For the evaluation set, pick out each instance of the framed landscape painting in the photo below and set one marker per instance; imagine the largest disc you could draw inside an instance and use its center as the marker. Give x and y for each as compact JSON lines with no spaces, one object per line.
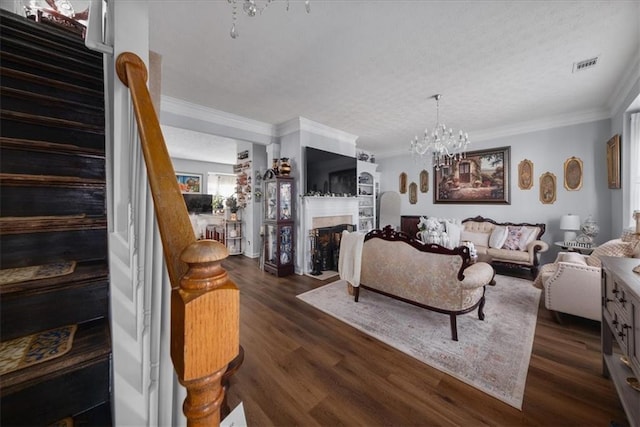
{"x":189,"y":182}
{"x":480,"y":177}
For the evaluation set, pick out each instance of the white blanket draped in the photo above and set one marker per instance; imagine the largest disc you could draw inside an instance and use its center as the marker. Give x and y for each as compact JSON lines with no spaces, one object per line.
{"x":350,"y":260}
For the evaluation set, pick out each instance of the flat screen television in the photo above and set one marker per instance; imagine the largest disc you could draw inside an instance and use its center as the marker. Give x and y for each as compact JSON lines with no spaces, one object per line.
{"x":330,"y":173}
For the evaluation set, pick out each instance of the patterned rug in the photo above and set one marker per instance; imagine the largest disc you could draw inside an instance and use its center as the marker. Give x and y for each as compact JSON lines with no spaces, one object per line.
{"x":26,"y":351}
{"x":15,"y":275}
{"x":491,"y":355}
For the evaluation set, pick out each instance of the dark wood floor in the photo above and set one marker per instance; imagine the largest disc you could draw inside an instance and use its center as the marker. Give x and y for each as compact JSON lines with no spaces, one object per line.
{"x":305,"y":368}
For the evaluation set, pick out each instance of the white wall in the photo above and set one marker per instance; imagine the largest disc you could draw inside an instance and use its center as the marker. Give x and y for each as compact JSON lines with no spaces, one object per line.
{"x":547,"y":149}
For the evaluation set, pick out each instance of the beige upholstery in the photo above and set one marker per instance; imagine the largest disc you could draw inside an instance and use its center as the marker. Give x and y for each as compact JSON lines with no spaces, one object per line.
{"x":572,"y":284}
{"x":572,"y":287}
{"x":526,"y":258}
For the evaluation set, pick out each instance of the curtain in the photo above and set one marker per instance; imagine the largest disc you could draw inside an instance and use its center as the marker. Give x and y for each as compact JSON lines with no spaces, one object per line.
{"x":634,"y":163}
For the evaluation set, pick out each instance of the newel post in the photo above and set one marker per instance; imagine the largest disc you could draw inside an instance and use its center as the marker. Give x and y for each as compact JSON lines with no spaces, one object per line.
{"x":205,"y":313}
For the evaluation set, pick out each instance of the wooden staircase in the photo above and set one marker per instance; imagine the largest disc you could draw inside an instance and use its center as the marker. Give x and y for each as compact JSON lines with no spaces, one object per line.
{"x":52,"y":209}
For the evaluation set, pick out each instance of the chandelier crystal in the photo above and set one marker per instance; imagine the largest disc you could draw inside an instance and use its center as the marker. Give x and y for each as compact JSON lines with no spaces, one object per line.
{"x":440,"y":145}
{"x":253,"y":8}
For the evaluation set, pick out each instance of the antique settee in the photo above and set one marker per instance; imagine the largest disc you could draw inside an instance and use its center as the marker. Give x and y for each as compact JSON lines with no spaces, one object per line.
{"x":507,"y":244}
{"x":429,"y":276}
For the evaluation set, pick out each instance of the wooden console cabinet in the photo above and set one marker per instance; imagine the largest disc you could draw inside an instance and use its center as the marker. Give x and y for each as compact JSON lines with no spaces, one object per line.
{"x":621,"y":323}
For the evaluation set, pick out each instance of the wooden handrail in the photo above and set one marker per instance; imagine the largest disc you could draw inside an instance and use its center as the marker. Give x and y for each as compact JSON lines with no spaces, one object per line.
{"x":205,"y":303}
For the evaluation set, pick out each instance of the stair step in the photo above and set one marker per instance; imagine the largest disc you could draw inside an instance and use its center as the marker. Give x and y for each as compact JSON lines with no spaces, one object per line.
{"x":29,"y":126}
{"x":38,"y":104}
{"x":64,"y":386}
{"x":45,"y":224}
{"x":79,"y":297}
{"x":20,"y":156}
{"x":50,"y":41}
{"x":19,"y":62}
{"x":58,"y":245}
{"x":50,"y":87}
{"x":48,"y":147}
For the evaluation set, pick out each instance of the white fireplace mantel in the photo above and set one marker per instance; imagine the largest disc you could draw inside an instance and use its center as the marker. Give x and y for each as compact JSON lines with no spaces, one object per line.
{"x":327,"y":208}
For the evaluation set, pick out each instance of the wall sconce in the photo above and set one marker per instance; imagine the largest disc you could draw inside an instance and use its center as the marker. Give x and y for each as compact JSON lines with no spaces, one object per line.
{"x":570,"y":224}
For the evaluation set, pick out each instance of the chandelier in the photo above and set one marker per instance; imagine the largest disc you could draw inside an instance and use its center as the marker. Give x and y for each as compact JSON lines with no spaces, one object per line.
{"x":252,"y":8}
{"x":441,"y":145}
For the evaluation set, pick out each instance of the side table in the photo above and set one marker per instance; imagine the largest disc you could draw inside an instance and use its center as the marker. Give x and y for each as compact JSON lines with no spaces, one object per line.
{"x":584,"y":251}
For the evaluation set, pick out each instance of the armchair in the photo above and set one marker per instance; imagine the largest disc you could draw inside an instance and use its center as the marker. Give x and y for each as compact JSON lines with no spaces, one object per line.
{"x":572,"y":286}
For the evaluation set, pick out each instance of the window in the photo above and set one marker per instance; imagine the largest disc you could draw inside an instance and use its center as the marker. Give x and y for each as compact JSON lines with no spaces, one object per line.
{"x":221,"y":184}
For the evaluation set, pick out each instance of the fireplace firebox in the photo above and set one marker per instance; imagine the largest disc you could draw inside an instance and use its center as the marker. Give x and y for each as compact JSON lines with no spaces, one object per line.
{"x":325,"y":247}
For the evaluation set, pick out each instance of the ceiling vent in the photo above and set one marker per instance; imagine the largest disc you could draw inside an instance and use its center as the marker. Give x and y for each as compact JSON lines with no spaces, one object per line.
{"x":585,"y":65}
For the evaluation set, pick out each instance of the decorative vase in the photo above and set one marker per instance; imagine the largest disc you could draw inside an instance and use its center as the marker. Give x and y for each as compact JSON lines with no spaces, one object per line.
{"x":285,"y":167}
{"x":444,"y":239}
{"x":274,"y":167}
{"x":233,"y":216}
{"x":433,"y":237}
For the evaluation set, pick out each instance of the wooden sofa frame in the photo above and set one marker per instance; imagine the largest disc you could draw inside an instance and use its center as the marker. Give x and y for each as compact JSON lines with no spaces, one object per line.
{"x":389,"y":234}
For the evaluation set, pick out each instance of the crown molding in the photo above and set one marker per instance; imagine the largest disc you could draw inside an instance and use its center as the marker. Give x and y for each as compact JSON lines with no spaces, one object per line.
{"x":195,"y":111}
{"x":298,"y":124}
{"x":545,"y":123}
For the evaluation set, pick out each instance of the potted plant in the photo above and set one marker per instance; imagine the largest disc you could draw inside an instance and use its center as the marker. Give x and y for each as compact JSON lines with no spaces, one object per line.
{"x":232,"y":205}
{"x":217,"y":203}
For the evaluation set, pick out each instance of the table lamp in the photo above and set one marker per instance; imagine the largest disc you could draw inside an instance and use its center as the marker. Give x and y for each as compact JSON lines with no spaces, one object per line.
{"x":570,"y":224}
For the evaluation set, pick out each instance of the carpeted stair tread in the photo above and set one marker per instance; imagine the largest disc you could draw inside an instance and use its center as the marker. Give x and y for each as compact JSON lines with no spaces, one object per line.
{"x":91,"y":344}
{"x":83,"y":273}
{"x":36,"y":272}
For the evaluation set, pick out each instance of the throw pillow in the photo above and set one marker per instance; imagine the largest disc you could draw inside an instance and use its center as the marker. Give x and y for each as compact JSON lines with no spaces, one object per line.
{"x":526,"y":237}
{"x":614,"y":247}
{"x":453,"y":230}
{"x":498,"y":237}
{"x":478,"y":239}
{"x":573,"y":257}
{"x":513,"y":238}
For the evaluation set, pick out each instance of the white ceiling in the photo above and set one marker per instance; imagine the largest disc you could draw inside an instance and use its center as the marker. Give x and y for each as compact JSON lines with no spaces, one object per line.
{"x":369,"y":68}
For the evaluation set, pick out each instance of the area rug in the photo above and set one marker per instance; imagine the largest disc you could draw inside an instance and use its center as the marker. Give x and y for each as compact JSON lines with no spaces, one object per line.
{"x":491,"y":355}
{"x":29,"y":350}
{"x":15,"y":275}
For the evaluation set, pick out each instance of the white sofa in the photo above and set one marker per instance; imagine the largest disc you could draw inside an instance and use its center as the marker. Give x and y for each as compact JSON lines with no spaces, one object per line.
{"x":572,"y":284}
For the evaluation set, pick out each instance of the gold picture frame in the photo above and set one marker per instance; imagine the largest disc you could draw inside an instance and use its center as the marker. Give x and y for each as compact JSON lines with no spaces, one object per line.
{"x":573,"y":172}
{"x":613,"y":162}
{"x":424,"y":181}
{"x":403,"y":183}
{"x":548,"y":188}
{"x":413,"y":193}
{"x":525,"y":174}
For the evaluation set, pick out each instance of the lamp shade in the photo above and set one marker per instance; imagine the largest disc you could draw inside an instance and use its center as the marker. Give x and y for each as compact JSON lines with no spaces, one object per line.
{"x":570,"y":223}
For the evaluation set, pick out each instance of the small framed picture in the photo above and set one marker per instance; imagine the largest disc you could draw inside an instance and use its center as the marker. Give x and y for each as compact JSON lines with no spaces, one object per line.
{"x":613,"y":162}
{"x":548,"y":188}
{"x":525,"y":174}
{"x":189,"y":182}
{"x":403,"y":183}
{"x":424,"y":181}
{"x":573,"y":174}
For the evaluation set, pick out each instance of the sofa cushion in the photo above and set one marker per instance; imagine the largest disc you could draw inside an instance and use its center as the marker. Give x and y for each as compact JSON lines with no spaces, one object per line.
{"x":498,"y":237}
{"x":615,"y":247}
{"x":478,"y":239}
{"x":514,"y":234}
{"x":528,"y":234}
{"x":508,"y":255}
{"x":573,"y":257}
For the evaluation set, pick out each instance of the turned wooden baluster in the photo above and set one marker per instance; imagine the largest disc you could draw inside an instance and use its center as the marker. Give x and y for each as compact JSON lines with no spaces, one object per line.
{"x":205,"y":304}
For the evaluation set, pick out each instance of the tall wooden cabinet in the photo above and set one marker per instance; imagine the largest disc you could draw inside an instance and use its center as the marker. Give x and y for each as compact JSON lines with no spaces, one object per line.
{"x":279,"y":196}
{"x":621,"y":324}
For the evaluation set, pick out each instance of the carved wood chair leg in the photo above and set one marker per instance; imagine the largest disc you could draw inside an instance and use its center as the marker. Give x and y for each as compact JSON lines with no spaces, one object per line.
{"x":481,"y":309}
{"x":556,"y":316}
{"x":356,"y":293}
{"x":454,"y":327}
